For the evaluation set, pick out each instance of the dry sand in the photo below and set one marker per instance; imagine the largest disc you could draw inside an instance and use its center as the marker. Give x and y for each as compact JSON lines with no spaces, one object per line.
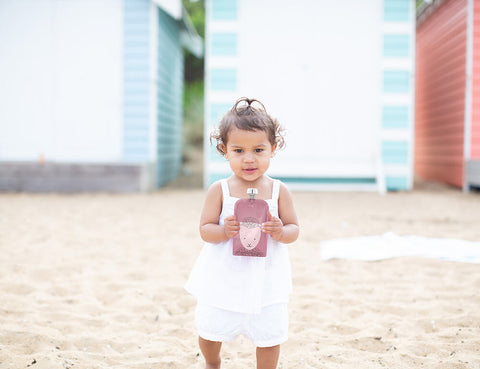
{"x":96,"y":281}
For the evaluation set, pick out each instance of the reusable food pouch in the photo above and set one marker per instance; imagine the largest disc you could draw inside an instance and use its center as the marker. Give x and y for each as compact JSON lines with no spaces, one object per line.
{"x":250,"y":213}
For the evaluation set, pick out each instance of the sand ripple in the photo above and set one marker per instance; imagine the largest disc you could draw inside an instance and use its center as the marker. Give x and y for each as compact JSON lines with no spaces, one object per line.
{"x":95,"y":281}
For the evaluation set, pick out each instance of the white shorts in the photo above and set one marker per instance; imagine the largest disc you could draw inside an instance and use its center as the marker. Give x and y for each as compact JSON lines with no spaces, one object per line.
{"x":267,"y":329}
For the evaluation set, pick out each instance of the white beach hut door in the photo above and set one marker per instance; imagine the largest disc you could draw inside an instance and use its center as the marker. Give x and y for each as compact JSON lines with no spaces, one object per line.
{"x":60,"y":92}
{"x":316,"y":65}
{"x":26,"y":71}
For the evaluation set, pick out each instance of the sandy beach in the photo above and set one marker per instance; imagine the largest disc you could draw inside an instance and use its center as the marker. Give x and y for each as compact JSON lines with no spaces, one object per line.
{"x":96,"y":281}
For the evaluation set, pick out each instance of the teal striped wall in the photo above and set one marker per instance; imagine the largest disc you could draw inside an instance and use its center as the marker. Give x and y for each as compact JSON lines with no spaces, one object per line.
{"x":395,"y":152}
{"x":216,"y":113}
{"x":397,"y":10}
{"x":398,"y":90}
{"x":224,"y":10}
{"x":395,"y":116}
{"x":223,"y":44}
{"x":397,"y":183}
{"x":221,"y":80}
{"x":136,"y":76}
{"x":169,"y":99}
{"x":396,"y":81}
{"x":396,"y":45}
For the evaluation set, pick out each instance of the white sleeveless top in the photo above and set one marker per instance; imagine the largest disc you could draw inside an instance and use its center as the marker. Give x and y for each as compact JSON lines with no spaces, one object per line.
{"x":243,"y":284}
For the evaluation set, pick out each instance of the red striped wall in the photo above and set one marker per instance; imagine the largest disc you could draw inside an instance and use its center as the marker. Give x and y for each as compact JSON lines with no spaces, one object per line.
{"x":440,"y":93}
{"x":475,"y":142}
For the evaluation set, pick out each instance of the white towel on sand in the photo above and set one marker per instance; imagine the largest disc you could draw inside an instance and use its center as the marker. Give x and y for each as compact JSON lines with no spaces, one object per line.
{"x":390,"y":245}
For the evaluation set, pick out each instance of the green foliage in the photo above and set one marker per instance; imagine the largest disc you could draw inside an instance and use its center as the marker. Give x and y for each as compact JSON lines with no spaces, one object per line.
{"x":419,"y":3}
{"x":193,"y":98}
{"x":196,"y":11}
{"x":193,"y":114}
{"x":194,"y":66}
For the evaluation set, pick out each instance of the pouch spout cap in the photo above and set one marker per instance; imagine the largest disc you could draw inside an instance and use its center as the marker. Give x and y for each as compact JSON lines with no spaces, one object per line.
{"x":252,"y":192}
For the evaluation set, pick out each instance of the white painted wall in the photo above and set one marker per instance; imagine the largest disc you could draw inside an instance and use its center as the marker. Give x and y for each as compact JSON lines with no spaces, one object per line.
{"x":61,"y":80}
{"x":316,"y":66}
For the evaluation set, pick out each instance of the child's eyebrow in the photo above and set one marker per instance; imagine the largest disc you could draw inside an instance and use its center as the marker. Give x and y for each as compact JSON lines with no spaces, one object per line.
{"x":234,"y":146}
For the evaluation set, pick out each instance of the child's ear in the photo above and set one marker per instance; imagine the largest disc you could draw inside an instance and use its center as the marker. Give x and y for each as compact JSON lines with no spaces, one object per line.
{"x":274,"y":148}
{"x":224,"y":149}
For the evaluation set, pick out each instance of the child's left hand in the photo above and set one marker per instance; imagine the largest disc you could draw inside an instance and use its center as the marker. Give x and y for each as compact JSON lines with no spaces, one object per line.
{"x":274,"y":227}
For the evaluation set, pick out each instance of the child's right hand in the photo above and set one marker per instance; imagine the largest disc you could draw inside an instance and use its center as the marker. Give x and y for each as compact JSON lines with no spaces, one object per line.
{"x":232,"y":227}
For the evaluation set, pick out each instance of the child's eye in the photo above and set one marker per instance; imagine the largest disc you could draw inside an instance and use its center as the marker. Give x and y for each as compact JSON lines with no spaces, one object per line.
{"x":238,"y":151}
{"x":258,"y":150}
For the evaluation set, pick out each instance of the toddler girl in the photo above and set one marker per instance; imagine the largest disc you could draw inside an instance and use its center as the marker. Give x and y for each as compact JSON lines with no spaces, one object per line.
{"x":244,"y":294}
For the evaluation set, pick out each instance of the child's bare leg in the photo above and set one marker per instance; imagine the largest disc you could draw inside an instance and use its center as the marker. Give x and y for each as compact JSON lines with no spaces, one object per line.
{"x":211,"y":353}
{"x":267,"y":357}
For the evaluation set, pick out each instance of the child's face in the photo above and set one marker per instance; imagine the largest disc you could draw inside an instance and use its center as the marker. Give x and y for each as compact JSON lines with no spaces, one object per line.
{"x":249,"y":153}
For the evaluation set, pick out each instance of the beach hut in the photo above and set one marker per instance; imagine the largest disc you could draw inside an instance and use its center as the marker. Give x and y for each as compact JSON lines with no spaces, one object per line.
{"x":91,"y":93}
{"x":447,"y":136}
{"x":339,"y":75}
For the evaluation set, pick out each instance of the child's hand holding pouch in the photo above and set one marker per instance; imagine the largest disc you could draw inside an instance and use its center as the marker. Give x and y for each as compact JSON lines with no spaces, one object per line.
{"x":251,"y":213}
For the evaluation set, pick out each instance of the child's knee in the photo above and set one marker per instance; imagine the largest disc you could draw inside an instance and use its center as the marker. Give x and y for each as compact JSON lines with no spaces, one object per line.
{"x":210,"y":350}
{"x":211,"y":344}
{"x":269,"y":348}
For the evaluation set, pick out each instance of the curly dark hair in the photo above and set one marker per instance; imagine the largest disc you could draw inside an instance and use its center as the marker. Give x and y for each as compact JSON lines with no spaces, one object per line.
{"x":250,"y":118}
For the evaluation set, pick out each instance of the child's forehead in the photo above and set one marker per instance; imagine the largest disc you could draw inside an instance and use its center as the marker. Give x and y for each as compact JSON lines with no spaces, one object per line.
{"x":237,"y":135}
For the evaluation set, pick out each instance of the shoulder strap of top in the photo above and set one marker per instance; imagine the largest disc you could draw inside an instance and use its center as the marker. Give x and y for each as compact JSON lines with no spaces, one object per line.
{"x":226,"y":192}
{"x":275,"y":190}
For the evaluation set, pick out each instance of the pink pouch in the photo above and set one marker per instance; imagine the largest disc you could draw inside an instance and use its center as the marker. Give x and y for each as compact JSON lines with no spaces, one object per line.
{"x":251,"y":213}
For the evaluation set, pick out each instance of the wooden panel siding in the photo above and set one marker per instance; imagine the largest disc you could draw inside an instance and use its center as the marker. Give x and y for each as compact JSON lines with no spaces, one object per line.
{"x":216,"y":113}
{"x":397,"y":87}
{"x":236,"y":51}
{"x":397,"y":183}
{"x":396,"y":81}
{"x":222,"y":68}
{"x":394,"y":152}
{"x":395,"y":117}
{"x":169,"y":99}
{"x":136,"y":76}
{"x":223,"y":79}
{"x":397,"y":10}
{"x":440,"y":94}
{"x":224,"y":10}
{"x":475,"y":139}
{"x":223,"y":44}
{"x":214,"y":155}
{"x":396,"y":45}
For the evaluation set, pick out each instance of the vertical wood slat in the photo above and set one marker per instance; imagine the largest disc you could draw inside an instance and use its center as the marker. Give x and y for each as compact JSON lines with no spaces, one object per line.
{"x":440,"y":81}
{"x":169,"y":99}
{"x":136,"y":77}
{"x":397,"y":88}
{"x":475,"y":130}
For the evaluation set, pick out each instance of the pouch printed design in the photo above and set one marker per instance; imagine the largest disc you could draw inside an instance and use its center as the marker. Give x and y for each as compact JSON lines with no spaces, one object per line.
{"x":250,"y":213}
{"x":250,"y":233}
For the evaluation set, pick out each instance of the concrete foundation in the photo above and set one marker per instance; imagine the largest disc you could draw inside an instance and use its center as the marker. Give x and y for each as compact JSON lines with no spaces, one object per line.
{"x":75,"y":177}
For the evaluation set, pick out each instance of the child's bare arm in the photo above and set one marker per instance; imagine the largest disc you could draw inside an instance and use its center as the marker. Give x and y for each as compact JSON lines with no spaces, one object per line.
{"x":210,"y":230}
{"x":285,"y":228}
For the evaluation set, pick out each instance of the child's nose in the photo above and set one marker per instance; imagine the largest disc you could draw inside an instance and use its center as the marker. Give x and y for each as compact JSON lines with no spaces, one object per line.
{"x":249,"y":157}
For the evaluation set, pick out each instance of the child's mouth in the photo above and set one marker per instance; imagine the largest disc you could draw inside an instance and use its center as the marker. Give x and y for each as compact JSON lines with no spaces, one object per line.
{"x":250,"y":170}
